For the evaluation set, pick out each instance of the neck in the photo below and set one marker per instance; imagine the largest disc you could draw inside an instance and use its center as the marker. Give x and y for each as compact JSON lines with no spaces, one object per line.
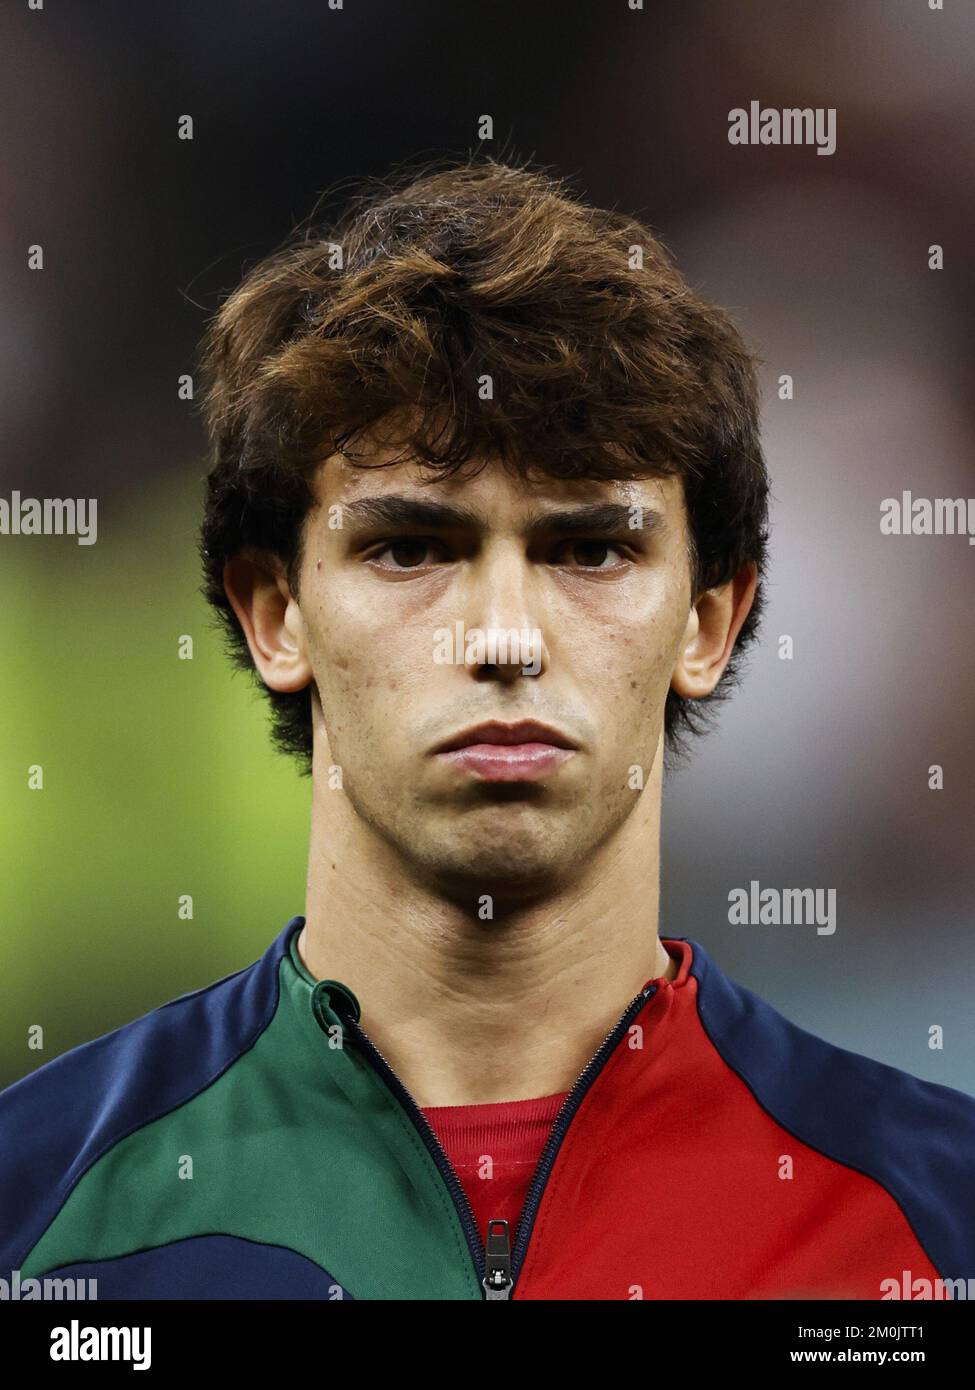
{"x":469,"y":1011}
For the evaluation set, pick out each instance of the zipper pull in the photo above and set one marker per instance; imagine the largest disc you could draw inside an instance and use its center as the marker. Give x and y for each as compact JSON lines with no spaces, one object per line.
{"x":497,"y":1261}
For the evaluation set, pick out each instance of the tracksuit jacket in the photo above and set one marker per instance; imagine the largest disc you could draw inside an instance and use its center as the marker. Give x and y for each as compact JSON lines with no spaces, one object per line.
{"x":248,"y":1140}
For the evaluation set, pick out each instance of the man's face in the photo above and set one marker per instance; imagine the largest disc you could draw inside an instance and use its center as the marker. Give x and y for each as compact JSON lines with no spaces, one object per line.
{"x":382,"y":607}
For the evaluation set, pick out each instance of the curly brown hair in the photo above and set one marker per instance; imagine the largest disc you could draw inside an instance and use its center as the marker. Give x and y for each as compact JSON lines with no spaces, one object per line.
{"x":604,"y":364}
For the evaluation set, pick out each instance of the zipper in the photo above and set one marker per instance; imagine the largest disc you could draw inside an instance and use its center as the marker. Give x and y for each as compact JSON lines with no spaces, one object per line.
{"x":561,"y":1123}
{"x":447,"y":1171}
{"x":497,"y":1266}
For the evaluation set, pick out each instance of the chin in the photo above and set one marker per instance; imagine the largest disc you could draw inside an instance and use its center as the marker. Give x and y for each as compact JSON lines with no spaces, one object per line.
{"x":506,"y":871}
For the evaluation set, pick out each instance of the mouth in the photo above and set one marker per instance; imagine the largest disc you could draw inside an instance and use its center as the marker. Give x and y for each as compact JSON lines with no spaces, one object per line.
{"x":497,"y":752}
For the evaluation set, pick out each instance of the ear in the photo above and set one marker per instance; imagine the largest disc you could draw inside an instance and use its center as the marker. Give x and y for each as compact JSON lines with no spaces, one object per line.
{"x":270,"y":619}
{"x":712,"y":628}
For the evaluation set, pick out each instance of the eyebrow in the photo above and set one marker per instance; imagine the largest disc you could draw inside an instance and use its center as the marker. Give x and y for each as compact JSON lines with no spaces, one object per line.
{"x":602,"y":518}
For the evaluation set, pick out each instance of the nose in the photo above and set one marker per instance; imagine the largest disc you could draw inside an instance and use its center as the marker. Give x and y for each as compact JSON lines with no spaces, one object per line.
{"x":502,"y":603}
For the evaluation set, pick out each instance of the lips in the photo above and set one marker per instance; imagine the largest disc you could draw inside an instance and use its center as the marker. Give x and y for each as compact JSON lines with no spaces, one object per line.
{"x":496,"y":752}
{"x":507,"y":735}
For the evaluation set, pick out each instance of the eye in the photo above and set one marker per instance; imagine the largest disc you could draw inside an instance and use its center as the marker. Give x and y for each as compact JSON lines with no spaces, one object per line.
{"x":590,"y":554}
{"x":408,"y":552}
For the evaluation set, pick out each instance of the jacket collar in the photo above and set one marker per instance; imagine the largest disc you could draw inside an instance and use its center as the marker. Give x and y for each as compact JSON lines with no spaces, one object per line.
{"x":688,"y":954}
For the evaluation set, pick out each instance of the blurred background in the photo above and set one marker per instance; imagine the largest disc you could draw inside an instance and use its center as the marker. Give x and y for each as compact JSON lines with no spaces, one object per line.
{"x":159,"y":778}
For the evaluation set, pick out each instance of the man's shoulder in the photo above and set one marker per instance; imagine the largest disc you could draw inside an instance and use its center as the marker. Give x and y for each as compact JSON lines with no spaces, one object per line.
{"x":57,"y":1121}
{"x":914,"y":1137}
{"x":803,"y":1073}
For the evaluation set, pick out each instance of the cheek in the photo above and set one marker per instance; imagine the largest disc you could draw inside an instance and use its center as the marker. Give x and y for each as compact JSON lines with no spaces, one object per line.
{"x":366,"y":668}
{"x":632,"y":651}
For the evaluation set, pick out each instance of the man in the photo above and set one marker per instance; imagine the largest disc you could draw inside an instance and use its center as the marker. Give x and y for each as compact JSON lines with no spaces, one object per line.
{"x":487,"y":518}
